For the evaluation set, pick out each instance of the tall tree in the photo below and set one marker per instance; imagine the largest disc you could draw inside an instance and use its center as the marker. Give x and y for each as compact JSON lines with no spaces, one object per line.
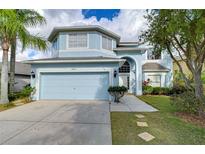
{"x":31,"y":17}
{"x":181,"y":32}
{"x":13,"y":25}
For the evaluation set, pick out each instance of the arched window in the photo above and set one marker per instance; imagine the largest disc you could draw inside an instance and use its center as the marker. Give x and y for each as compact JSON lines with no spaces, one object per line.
{"x":125,"y":68}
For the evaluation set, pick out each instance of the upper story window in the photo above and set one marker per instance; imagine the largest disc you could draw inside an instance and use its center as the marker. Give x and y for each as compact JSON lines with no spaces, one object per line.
{"x":106,"y":43}
{"x":55,"y":44}
{"x":153,"y":55}
{"x":77,"y":40}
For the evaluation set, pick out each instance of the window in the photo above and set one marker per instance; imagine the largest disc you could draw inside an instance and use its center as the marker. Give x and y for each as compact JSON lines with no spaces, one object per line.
{"x":77,"y":40}
{"x":55,"y":44}
{"x":125,"y":68}
{"x":153,"y":55}
{"x":155,"y":80}
{"x":106,"y":43}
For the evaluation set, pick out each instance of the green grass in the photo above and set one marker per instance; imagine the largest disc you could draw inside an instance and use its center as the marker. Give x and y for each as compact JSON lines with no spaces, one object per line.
{"x":6,"y":106}
{"x":164,"y":125}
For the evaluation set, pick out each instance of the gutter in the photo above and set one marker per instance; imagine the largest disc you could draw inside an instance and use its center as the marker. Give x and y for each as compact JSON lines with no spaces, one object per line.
{"x":74,"y":61}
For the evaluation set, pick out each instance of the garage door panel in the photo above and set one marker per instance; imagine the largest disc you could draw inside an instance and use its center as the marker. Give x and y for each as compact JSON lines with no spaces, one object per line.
{"x":74,"y":86}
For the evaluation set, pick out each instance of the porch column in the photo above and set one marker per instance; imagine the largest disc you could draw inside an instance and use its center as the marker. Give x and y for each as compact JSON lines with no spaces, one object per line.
{"x":138,"y":77}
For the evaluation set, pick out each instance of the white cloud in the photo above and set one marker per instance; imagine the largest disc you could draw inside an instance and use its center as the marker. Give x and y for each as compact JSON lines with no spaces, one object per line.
{"x":128,"y":24}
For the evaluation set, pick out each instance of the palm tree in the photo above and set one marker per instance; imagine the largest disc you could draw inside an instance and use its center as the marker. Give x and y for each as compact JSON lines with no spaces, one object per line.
{"x":13,"y":25}
{"x":30,"y":17}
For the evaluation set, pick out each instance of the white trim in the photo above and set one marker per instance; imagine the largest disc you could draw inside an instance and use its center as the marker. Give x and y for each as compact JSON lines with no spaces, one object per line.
{"x":153,"y":60}
{"x":88,"y":40}
{"x":58,"y":70}
{"x":74,"y":61}
{"x":156,"y":70}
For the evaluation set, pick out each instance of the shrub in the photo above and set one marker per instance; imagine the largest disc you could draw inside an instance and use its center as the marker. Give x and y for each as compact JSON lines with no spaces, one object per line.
{"x":156,"y":90}
{"x":178,"y":89}
{"x":117,"y":92}
{"x":187,"y":102}
{"x":147,"y":90}
{"x":25,"y":92}
{"x":203,"y":77}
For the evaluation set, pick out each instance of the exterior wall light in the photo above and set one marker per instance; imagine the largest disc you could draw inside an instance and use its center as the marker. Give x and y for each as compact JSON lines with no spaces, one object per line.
{"x":115,"y":74}
{"x":33,"y":74}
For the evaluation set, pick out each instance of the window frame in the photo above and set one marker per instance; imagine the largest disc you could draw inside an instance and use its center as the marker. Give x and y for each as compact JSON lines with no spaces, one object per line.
{"x":160,"y":79}
{"x":108,"y":38}
{"x":68,"y":40}
{"x":125,"y":68}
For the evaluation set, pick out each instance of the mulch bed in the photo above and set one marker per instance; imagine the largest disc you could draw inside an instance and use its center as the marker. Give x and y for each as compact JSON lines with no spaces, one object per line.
{"x":200,"y":121}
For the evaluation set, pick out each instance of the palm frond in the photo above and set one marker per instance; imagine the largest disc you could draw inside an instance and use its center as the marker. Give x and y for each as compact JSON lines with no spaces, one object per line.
{"x":33,"y":41}
{"x":31,"y":18}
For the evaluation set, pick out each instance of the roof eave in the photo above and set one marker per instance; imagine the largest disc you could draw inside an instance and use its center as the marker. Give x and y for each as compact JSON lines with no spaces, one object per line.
{"x":73,"y":61}
{"x":56,"y":30}
{"x":131,"y":49}
{"x":165,"y":70}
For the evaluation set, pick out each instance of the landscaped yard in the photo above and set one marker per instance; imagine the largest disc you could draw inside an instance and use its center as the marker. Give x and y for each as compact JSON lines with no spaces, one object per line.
{"x":164,"y":125}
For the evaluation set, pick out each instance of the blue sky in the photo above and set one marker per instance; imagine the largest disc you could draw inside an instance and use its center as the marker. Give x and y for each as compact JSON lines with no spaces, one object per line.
{"x":101,"y":13}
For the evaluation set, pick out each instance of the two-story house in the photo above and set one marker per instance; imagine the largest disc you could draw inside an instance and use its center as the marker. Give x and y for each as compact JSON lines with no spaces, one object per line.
{"x":89,"y":59}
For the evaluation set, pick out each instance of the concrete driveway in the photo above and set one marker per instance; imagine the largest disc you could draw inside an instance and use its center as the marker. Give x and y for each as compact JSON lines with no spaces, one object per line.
{"x":57,"y":122}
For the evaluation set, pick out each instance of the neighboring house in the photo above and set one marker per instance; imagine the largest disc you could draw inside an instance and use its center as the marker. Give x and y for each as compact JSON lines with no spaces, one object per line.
{"x":184,"y":67}
{"x":89,"y":59}
{"x":22,"y":75}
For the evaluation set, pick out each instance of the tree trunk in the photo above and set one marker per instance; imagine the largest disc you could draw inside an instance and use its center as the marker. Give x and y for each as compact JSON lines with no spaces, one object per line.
{"x":12,"y":66}
{"x":199,"y":92}
{"x":4,"y":77}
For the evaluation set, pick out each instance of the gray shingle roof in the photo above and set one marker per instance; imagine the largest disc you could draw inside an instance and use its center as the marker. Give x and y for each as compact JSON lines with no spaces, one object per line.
{"x":154,"y":67}
{"x":82,"y":28}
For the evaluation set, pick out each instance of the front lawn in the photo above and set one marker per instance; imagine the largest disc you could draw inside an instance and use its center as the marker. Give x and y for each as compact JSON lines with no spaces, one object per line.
{"x":164,"y":125}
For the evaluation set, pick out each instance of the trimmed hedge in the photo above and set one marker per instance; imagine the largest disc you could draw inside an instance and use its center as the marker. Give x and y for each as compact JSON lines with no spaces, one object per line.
{"x":149,"y":90}
{"x":117,"y":92}
{"x":117,"y":89}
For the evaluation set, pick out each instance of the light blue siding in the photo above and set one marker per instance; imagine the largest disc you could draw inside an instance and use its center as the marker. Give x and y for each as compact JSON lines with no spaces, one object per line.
{"x":62,"y":41}
{"x":87,"y":53}
{"x":94,"y":41}
{"x":88,"y":86}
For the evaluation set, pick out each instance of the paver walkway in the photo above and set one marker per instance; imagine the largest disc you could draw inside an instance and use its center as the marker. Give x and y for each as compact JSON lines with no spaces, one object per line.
{"x":145,"y":135}
{"x":142,"y":124}
{"x":130,"y":103}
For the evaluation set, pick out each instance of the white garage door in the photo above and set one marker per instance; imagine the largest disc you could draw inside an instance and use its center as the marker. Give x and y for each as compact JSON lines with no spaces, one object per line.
{"x":78,"y":86}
